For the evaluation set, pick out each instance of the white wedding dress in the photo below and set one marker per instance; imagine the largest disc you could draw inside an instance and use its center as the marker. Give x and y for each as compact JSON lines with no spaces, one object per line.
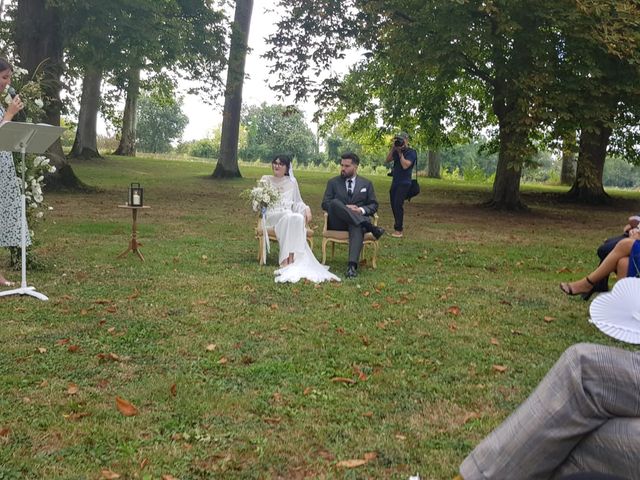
{"x":287,"y":219}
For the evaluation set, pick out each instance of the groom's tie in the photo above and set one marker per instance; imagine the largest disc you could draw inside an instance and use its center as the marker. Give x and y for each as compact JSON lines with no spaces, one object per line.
{"x":349,"y":188}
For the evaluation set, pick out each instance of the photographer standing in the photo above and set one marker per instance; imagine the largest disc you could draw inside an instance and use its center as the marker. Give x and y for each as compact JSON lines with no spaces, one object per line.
{"x":404,"y":159}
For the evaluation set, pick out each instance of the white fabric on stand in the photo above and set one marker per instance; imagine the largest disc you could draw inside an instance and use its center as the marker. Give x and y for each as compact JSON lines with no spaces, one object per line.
{"x":287,"y":218}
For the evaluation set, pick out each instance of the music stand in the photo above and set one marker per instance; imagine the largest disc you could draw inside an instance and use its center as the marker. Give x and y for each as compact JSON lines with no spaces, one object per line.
{"x":26,"y":138}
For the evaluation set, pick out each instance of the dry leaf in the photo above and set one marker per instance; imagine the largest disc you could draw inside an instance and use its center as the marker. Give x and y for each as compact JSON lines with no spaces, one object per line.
{"x":367,"y":414}
{"x":361,"y":375}
{"x":356,"y":462}
{"x":72,"y":389}
{"x":453,"y":327}
{"x":5,"y":431}
{"x":272,"y":420}
{"x":108,"y":474}
{"x":111,"y":329}
{"x":144,"y":463}
{"x":173,"y":389}
{"x":274,"y":306}
{"x":499,"y":368}
{"x":168,"y":477}
{"x":307,"y":391}
{"x":211,"y":347}
{"x":108,"y":357}
{"x":470,"y":416}
{"x":126,"y":408}
{"x":63,"y":341}
{"x":375,"y":305}
{"x":135,"y":294}
{"x":73,"y":348}
{"x":400,"y":437}
{"x":370,"y":456}
{"x":102,"y":302}
{"x":454,"y":310}
{"x":505,"y":302}
{"x":549,"y":319}
{"x":76,"y":415}
{"x":111,"y":309}
{"x":563,"y":270}
{"x":343,"y":380}
{"x":223,"y":361}
{"x":42,"y":350}
{"x":494,"y":341}
{"x":366,"y":293}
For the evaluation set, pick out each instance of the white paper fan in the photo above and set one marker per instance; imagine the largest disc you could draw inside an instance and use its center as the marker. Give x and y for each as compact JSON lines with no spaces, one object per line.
{"x":617,"y":313}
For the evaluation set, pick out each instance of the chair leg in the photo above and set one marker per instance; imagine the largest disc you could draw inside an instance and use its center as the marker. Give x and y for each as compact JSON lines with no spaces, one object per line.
{"x":324,"y":250}
{"x":259,"y":251}
{"x":375,"y":255}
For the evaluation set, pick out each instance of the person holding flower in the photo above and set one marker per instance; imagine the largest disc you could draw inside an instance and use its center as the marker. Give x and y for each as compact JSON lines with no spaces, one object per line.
{"x":10,"y":216}
{"x":289,"y":217}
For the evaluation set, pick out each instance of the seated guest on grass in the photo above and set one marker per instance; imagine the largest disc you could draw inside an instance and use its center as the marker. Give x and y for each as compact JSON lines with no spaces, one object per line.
{"x":583,"y":417}
{"x":607,"y":246}
{"x":624,"y":260}
{"x":289,"y":218}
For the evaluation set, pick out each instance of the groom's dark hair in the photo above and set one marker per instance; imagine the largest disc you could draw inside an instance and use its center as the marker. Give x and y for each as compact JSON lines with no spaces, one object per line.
{"x":351,"y":156}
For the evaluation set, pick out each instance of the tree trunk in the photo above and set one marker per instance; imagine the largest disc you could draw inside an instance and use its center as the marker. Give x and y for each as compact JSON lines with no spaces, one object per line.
{"x":588,"y":187}
{"x":127,"y":146}
{"x":85,"y":145}
{"x":433,"y":166}
{"x":227,"y":166}
{"x":39,"y":46}
{"x":568,"y":169}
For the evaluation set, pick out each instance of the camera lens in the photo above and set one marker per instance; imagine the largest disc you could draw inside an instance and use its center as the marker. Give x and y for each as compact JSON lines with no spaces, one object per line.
{"x":398,"y":142}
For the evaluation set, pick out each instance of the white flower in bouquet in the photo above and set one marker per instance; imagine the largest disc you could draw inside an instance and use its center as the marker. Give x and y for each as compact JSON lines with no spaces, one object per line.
{"x":261,"y":196}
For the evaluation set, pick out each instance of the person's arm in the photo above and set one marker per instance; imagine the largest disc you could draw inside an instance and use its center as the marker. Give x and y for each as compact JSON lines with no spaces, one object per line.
{"x":14,"y":107}
{"x":408,"y":158}
{"x":298,"y":205}
{"x":390,"y":155}
{"x":329,"y":194}
{"x":371,"y":206}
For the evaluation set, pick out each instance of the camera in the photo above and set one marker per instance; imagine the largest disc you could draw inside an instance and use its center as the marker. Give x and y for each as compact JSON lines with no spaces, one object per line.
{"x":398,"y":142}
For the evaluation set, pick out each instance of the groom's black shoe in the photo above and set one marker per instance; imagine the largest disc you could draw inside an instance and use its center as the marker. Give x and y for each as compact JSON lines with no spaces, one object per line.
{"x":376,"y":231}
{"x":352,"y":271}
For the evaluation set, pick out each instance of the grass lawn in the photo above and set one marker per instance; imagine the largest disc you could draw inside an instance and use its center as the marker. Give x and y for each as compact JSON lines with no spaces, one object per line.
{"x":234,"y":376}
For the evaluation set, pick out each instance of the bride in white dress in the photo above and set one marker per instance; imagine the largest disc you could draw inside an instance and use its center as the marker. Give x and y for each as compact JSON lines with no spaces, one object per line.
{"x":289,"y":218}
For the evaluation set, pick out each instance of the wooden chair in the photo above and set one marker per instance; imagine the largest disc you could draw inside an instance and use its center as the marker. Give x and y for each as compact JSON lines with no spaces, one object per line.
{"x":342,"y":236}
{"x":272,"y":237}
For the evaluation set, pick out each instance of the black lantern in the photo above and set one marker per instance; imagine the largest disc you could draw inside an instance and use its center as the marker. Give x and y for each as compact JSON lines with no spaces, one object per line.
{"x":135,"y":195}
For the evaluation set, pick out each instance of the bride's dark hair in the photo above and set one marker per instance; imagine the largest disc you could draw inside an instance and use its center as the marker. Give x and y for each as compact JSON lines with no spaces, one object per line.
{"x":285,"y":160}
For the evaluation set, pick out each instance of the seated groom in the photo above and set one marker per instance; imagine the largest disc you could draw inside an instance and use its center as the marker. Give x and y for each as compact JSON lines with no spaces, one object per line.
{"x":350,"y":201}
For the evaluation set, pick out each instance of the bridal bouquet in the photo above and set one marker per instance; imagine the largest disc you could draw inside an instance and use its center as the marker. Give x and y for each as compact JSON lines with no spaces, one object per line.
{"x":31,"y":91}
{"x":262,"y":196}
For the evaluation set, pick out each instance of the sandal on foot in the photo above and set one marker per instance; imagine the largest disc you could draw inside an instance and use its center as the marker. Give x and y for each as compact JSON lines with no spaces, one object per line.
{"x":566,"y":288}
{"x":7,"y":283}
{"x":587,"y":295}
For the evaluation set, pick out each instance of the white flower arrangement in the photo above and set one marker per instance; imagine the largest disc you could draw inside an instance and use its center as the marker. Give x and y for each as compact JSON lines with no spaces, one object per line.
{"x":263,"y":195}
{"x":35,"y":169}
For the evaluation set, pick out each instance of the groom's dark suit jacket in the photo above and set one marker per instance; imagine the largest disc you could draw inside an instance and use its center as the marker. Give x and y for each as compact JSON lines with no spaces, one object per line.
{"x":363,"y":195}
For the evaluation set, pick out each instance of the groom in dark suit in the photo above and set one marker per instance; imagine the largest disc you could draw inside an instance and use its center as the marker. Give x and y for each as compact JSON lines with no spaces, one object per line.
{"x":350,"y":201}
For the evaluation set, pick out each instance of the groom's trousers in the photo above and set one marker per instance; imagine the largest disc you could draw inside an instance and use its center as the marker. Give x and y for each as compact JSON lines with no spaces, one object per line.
{"x":583,"y":417}
{"x":342,"y":218}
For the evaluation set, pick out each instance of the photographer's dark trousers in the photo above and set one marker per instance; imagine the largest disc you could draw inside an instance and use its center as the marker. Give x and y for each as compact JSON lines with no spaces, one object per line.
{"x":397,"y":196}
{"x":603,"y":251}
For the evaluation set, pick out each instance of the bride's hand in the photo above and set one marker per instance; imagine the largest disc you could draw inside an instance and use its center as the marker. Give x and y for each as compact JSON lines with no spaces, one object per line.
{"x":307,"y":216}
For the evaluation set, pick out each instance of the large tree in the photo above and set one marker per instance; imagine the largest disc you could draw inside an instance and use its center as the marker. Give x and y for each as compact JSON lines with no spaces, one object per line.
{"x":160,"y":121}
{"x":39,"y":45}
{"x":227,"y":166}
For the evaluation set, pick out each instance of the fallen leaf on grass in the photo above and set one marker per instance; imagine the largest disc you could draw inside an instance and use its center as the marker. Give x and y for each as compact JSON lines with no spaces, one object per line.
{"x":173,"y":390}
{"x":108,"y":474}
{"x":370,"y":456}
{"x":367,"y":414}
{"x":72,"y":389}
{"x":494,"y":341}
{"x":126,"y":408}
{"x":356,"y":462}
{"x":564,"y":270}
{"x":73,"y":348}
{"x":223,"y":361}
{"x":307,"y":391}
{"x":375,"y":305}
{"x":400,"y":437}
{"x":112,"y":357}
{"x":453,"y":327}
{"x":168,"y":477}
{"x":211,"y":347}
{"x":102,"y":301}
{"x":134,"y":295}
{"x":499,"y":368}
{"x":111,"y":309}
{"x":76,"y":415}
{"x":144,"y":463}
{"x":470,"y":416}
{"x":549,"y":319}
{"x":5,"y":431}
{"x":200,"y":302}
{"x":454,"y":310}
{"x":343,"y":380}
{"x":361,"y":375}
{"x":42,"y":350}
{"x":272,"y":420}
{"x":63,"y":341}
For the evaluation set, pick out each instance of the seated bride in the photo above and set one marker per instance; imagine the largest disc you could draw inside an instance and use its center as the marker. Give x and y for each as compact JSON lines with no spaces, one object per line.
{"x":289,"y":217}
